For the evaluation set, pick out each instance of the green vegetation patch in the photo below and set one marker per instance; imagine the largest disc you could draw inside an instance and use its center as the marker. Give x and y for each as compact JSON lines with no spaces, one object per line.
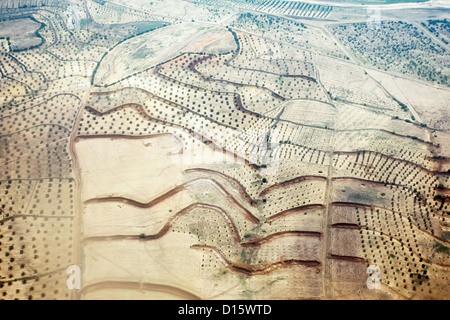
{"x":439,"y":247}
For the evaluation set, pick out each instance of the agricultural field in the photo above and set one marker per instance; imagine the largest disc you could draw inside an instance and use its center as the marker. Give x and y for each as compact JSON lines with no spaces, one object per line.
{"x":224,"y":149}
{"x":397,"y":46}
{"x":21,"y":34}
{"x":440,"y":28}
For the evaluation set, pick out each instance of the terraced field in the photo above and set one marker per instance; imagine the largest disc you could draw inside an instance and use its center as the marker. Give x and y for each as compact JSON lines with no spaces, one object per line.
{"x":222,"y":150}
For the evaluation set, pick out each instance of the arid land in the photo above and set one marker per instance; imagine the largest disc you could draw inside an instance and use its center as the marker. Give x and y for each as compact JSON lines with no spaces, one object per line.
{"x":221,"y":149}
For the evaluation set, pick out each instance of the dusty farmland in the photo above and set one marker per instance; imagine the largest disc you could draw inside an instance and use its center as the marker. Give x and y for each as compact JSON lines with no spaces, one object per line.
{"x":221,"y":149}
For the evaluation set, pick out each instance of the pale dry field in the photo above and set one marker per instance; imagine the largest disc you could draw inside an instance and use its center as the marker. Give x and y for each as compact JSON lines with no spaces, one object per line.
{"x":223,"y":150}
{"x":21,"y":33}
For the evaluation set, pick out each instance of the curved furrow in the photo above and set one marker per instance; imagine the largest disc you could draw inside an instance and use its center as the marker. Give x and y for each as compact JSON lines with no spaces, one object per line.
{"x":352,"y":204}
{"x":294,"y":210}
{"x":286,"y":183}
{"x":246,"y":213}
{"x":193,"y":65}
{"x":236,"y":96}
{"x":352,"y":226}
{"x":241,"y":189}
{"x":347,"y":258}
{"x":228,"y":220}
{"x":141,"y":110}
{"x":255,"y":242}
{"x":444,"y":173}
{"x":251,"y":270}
{"x":258,"y":241}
